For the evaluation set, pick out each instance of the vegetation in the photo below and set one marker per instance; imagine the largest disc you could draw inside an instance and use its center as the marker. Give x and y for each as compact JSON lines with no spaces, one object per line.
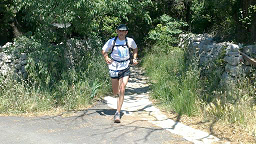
{"x":63,"y":41}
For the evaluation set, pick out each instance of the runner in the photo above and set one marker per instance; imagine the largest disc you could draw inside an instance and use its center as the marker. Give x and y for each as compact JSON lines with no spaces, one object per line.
{"x":118,"y":64}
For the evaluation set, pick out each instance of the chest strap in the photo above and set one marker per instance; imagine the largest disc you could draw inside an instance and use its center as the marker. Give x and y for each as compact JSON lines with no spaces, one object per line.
{"x":120,"y":61}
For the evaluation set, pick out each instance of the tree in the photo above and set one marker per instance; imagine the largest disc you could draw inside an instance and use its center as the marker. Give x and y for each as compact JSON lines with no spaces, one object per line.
{"x":247,"y":18}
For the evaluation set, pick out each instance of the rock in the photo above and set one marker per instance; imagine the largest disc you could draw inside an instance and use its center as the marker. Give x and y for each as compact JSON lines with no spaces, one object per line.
{"x":25,"y":75}
{"x":209,"y":48}
{"x":227,"y":80}
{"x":17,"y":66}
{"x":24,"y":62}
{"x":232,"y":48}
{"x":5,"y":69}
{"x":7,"y":58}
{"x":246,"y":69}
{"x":234,"y":71}
{"x":233,"y":60}
{"x":8,"y":44}
{"x":197,"y":39}
{"x":23,"y":56}
{"x":208,"y":51}
{"x":23,"y":69}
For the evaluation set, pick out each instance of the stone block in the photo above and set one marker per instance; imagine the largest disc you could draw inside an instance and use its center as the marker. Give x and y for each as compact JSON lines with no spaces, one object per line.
{"x":232,"y":48}
{"x":24,"y":62}
{"x":232,"y":53}
{"x":233,"y":60}
{"x":8,"y":44}
{"x":5,"y":69}
{"x":234,"y":71}
{"x":227,"y":80}
{"x":246,"y":69}
{"x":250,"y":49}
{"x":23,"y":56}
{"x":17,"y":66}
{"x":209,"y":48}
{"x":7,"y":58}
{"x":23,"y":69}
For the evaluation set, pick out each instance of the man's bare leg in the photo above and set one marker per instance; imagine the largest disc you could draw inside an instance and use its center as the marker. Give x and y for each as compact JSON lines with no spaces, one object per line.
{"x":115,"y":87}
{"x":122,"y":85}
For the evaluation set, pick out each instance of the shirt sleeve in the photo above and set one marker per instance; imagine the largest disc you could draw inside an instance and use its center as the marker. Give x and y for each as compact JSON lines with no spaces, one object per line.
{"x":131,"y":43}
{"x":108,"y":45}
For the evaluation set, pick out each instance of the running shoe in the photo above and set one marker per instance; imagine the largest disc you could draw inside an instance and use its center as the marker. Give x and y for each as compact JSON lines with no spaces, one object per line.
{"x":117,"y":117}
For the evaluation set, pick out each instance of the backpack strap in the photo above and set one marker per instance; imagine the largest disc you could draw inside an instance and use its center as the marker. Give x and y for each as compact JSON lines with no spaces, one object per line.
{"x":113,"y":45}
{"x":126,"y":43}
{"x":130,"y":50}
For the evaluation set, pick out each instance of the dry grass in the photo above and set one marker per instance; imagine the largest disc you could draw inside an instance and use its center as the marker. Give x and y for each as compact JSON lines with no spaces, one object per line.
{"x":225,"y":131}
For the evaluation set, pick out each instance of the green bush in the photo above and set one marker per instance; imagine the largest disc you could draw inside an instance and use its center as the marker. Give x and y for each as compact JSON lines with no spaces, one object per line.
{"x":60,"y":80}
{"x":165,"y":35}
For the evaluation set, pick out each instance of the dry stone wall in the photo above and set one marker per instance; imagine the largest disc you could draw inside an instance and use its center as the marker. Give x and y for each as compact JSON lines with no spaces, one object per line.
{"x":15,"y":64}
{"x":201,"y":46}
{"x":11,"y":64}
{"x":208,"y":52}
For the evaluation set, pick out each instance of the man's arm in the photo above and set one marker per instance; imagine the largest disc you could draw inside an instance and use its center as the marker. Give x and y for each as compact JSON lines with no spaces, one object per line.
{"x":135,"y":56}
{"x":107,"y":59}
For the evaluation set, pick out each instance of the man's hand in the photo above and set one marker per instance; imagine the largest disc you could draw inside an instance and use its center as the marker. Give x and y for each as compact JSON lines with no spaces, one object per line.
{"x":108,"y":60}
{"x":135,"y":61}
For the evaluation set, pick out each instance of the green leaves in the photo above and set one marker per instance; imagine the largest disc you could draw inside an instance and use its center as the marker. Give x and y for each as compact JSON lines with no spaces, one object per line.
{"x":247,"y":18}
{"x":166,"y":33}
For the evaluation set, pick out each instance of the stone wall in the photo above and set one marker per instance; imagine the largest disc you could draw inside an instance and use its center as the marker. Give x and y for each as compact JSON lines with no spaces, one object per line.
{"x":15,"y":64}
{"x":201,"y":46}
{"x":208,"y":52}
{"x":12,"y":64}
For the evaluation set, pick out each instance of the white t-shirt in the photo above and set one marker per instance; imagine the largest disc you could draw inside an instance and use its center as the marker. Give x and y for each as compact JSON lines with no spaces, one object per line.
{"x":120,"y":52}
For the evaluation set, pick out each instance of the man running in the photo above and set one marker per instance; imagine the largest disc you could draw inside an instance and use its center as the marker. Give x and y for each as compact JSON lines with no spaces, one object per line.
{"x":118,"y":64}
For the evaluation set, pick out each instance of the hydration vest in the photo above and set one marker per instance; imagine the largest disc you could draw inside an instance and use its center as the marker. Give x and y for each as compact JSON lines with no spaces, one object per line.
{"x":126,"y":44}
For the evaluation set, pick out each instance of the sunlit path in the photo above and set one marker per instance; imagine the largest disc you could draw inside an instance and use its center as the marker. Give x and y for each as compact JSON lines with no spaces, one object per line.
{"x":137,"y":104}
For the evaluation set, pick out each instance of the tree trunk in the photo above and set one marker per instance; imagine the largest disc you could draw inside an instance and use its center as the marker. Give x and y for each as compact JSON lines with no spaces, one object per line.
{"x":16,"y":31}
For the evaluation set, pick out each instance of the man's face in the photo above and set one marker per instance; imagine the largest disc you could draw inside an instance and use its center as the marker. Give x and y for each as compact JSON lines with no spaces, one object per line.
{"x":121,"y":33}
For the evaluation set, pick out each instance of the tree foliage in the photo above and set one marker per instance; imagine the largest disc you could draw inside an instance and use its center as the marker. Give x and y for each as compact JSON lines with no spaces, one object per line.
{"x":46,"y":25}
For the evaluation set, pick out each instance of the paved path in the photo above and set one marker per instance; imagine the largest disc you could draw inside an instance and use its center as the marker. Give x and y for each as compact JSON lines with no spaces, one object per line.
{"x":137,"y":104}
{"x":141,"y":123}
{"x":92,"y":126}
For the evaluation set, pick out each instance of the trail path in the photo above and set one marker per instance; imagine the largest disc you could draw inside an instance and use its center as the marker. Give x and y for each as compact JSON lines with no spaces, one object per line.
{"x":137,"y":104}
{"x":141,"y":123}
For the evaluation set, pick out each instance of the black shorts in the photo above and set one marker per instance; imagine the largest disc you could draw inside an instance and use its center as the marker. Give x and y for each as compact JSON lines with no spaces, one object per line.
{"x":118,"y":74}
